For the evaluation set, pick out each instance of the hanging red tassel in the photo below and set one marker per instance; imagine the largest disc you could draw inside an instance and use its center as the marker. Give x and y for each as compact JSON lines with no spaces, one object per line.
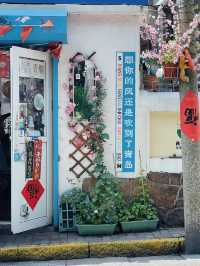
{"x":26,"y":32}
{"x":4,"y":29}
{"x":55,"y":49}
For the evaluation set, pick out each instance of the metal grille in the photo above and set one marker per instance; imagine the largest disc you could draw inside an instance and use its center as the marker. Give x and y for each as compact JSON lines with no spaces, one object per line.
{"x":67,"y":217}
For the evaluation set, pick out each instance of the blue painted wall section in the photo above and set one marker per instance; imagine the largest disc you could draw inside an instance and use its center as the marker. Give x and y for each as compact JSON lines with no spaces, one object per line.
{"x":58,"y":33}
{"x":55,"y":145}
{"x":88,"y":2}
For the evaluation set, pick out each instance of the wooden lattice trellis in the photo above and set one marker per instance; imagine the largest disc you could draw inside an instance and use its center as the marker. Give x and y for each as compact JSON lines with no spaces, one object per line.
{"x":81,"y":144}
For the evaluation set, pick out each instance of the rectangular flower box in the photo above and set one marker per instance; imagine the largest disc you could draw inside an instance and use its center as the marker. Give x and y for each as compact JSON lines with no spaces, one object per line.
{"x":95,"y":229}
{"x":139,"y":226}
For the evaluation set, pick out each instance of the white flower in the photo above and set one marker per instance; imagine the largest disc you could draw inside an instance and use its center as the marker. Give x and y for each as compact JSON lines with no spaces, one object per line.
{"x":95,"y":211}
{"x":159,"y":73}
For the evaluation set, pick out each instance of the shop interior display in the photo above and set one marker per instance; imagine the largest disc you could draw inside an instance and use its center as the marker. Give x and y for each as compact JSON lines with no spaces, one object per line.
{"x":5,"y":132}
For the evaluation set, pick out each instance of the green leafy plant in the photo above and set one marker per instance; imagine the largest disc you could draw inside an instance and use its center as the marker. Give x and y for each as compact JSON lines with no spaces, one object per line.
{"x":100,"y":206}
{"x":84,"y":108}
{"x":93,"y":112}
{"x":141,"y":208}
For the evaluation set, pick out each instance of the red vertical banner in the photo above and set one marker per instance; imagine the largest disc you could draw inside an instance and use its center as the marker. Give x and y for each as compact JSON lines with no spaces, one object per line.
{"x":189,"y":115}
{"x":4,"y":65}
{"x":37,"y":157}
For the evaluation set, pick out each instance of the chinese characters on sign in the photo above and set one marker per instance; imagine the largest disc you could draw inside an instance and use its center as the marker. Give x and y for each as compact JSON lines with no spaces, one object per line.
{"x":125,"y":99}
{"x":32,"y":192}
{"x":37,"y":159}
{"x":189,"y":112}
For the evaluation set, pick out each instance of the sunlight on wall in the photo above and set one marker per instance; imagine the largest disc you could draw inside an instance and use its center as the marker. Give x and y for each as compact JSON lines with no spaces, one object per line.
{"x":163,"y":133}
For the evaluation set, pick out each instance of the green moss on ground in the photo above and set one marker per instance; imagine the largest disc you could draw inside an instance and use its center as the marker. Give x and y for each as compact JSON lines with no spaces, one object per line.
{"x":138,"y":248}
{"x":153,"y":247}
{"x":44,"y":252}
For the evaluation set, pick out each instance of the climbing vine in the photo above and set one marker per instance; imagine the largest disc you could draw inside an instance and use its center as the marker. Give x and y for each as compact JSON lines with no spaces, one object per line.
{"x":86,"y":95}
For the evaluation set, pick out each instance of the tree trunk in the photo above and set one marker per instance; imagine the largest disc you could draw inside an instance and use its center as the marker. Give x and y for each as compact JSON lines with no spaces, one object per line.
{"x":191,"y":158}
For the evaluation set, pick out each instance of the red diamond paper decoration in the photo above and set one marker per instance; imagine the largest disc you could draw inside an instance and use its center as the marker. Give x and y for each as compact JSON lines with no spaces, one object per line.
{"x":189,"y":114}
{"x":32,"y":192}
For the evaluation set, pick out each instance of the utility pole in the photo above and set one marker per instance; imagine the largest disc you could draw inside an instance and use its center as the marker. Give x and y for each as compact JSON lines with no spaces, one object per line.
{"x":190,"y":149}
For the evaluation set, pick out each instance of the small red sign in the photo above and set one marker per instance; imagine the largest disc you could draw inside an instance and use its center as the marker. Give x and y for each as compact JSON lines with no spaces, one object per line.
{"x":32,"y":192}
{"x":189,"y":115}
{"x":37,"y":157}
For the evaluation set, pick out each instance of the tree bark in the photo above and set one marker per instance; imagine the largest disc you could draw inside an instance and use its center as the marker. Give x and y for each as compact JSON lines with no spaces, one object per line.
{"x":191,"y":156}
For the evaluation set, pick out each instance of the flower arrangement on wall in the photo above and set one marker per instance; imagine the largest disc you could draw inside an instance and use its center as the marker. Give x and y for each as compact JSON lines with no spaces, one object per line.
{"x":85,"y":113}
{"x":166,"y":44}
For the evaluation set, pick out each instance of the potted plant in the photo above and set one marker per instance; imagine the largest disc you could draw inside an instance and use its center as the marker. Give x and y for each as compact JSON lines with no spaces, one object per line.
{"x":97,"y":211}
{"x":150,"y":61}
{"x":140,"y":215}
{"x":169,"y":56}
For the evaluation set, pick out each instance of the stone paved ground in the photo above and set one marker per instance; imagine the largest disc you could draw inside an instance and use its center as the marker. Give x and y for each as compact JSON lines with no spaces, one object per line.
{"x":47,"y":235}
{"x":183,"y":260}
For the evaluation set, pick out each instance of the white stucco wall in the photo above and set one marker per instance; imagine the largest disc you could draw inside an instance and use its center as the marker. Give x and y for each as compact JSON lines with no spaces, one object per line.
{"x":105,"y":33}
{"x":156,"y":102}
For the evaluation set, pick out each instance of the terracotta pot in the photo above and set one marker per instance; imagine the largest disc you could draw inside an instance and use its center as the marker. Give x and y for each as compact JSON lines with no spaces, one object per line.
{"x":170,"y":71}
{"x":150,"y":83}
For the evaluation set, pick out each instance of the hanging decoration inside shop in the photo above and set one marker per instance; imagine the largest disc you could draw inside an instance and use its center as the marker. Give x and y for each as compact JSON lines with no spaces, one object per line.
{"x":29,"y":159}
{"x":6,"y":26}
{"x":37,"y":159}
{"x":4,"y":64}
{"x":84,"y":110}
{"x":189,"y":115}
{"x":32,"y":192}
{"x":38,"y":102}
{"x":33,"y":158}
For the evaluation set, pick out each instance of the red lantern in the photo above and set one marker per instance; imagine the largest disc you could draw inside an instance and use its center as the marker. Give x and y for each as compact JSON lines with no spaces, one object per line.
{"x":189,"y":114}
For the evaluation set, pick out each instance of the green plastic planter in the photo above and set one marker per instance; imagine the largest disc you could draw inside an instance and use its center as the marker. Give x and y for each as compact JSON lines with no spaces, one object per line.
{"x":95,"y":229}
{"x":139,"y":226}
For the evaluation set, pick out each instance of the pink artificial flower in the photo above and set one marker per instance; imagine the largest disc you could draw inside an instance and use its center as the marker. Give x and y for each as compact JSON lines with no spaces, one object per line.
{"x":169,"y":22}
{"x":70,"y":108}
{"x":72,"y":125}
{"x":78,"y":142}
{"x":97,"y":78}
{"x":65,"y":87}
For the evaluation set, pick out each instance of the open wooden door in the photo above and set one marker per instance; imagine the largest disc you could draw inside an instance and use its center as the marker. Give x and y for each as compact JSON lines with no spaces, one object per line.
{"x":31,"y":140}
